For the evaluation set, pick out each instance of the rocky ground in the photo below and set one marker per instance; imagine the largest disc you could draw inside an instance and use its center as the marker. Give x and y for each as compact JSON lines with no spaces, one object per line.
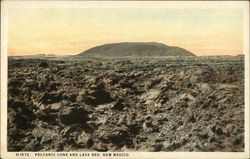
{"x":137,"y":104}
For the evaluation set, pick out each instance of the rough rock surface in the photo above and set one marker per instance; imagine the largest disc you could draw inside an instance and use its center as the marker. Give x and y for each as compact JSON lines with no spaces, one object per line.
{"x":137,"y":104}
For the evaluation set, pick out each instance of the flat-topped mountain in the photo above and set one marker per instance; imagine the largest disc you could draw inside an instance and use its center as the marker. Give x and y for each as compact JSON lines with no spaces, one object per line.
{"x":136,"y":49}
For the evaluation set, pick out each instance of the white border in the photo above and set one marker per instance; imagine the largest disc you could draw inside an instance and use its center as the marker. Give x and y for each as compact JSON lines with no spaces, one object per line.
{"x":4,"y":71}
{"x":129,"y":4}
{"x":247,"y":82}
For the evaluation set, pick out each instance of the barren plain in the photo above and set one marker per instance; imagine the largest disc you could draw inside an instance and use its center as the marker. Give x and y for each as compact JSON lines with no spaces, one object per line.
{"x":72,"y":103}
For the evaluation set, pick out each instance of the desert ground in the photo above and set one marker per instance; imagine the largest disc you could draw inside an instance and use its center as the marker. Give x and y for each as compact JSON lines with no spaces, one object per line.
{"x":71,"y":103}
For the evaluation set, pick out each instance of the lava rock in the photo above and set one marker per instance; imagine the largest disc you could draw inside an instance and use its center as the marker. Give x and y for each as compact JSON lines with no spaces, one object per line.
{"x":73,"y":115}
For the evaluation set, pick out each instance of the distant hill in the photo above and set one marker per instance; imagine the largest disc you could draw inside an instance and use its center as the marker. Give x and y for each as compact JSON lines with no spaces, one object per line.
{"x":240,"y":55}
{"x":136,"y":49}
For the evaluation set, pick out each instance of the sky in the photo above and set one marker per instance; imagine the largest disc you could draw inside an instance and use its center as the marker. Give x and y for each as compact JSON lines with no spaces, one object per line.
{"x":67,"y":31}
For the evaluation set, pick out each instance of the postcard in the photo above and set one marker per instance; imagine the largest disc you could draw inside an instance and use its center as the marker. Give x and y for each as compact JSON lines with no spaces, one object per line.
{"x":124,"y":79}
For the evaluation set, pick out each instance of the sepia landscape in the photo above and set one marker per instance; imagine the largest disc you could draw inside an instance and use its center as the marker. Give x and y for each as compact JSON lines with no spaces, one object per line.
{"x":124,"y":77}
{"x":160,"y":98}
